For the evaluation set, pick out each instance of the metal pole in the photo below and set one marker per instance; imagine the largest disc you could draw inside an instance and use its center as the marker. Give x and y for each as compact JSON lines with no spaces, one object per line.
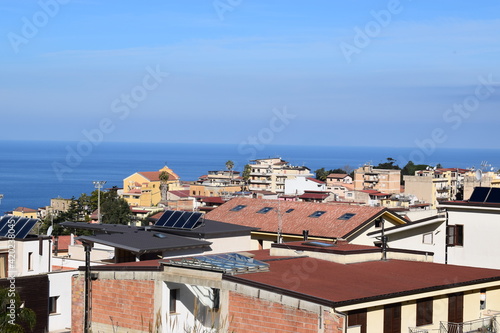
{"x":87,"y":325}
{"x":98,"y":185}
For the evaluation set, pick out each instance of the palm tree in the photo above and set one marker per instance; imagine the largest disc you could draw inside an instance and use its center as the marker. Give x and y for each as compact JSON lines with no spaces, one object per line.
{"x":230,"y":166}
{"x":164,"y":176}
{"x":13,"y":316}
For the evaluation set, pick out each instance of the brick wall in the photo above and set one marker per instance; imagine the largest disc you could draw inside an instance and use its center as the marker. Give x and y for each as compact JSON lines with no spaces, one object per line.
{"x":250,"y":314}
{"x":121,"y":303}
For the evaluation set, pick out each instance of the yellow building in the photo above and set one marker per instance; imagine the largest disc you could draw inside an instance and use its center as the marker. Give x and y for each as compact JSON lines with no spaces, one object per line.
{"x":25,"y":212}
{"x":383,"y":180}
{"x":144,"y":188}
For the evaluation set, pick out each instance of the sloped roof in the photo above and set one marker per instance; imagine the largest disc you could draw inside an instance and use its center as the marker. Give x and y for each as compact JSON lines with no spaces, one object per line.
{"x":361,"y":282}
{"x":25,"y":210}
{"x":297,"y":220}
{"x":337,"y":175}
{"x":315,"y":180}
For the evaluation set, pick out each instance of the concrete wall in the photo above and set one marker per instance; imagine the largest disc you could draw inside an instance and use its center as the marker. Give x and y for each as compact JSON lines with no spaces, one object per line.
{"x":301,"y":184}
{"x":40,"y":261}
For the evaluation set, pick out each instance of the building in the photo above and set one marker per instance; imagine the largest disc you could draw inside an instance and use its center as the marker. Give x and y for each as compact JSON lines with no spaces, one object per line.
{"x":463,"y":233}
{"x":144,"y":188}
{"x":383,"y":180}
{"x":477,"y":178}
{"x":25,"y":261}
{"x":300,"y":287}
{"x":299,"y":185}
{"x":432,"y":186}
{"x":25,"y":212}
{"x":269,"y":174}
{"x":289,"y":220}
{"x":59,"y":205}
{"x":335,"y":179}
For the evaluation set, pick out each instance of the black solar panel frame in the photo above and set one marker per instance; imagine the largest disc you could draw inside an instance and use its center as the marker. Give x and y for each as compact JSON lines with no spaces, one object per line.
{"x":25,"y":228}
{"x":4,"y":229}
{"x":173,"y":219}
{"x":182,"y":220}
{"x":193,"y":220}
{"x":494,"y":196}
{"x":164,"y":218}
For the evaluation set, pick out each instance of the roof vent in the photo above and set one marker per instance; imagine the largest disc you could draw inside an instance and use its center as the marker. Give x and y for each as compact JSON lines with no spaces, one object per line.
{"x":159,"y":235}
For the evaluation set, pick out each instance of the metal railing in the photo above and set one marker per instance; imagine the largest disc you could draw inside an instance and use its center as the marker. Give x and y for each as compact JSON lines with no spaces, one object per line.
{"x":487,"y":324}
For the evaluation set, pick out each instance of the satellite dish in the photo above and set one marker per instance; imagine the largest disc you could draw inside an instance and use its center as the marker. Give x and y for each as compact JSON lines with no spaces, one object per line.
{"x":479,"y":175}
{"x":49,"y":231}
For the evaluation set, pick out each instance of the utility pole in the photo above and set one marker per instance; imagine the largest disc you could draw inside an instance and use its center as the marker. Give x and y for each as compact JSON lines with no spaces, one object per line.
{"x":98,"y":185}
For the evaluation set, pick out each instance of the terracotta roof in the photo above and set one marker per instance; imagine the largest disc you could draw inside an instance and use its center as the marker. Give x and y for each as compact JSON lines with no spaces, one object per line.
{"x":315,"y":180}
{"x":63,"y":242}
{"x":314,"y":195}
{"x":337,"y":175}
{"x":294,"y":222}
{"x":25,"y":210}
{"x":214,"y":200}
{"x":360,"y":282}
{"x":181,"y":193}
{"x":154,"y":176}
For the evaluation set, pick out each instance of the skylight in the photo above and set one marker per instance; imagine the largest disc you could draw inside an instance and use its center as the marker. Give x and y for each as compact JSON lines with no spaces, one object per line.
{"x":346,"y":216}
{"x":265,"y":210}
{"x":317,"y":213}
{"x":238,"y":208}
{"x":290,"y":210}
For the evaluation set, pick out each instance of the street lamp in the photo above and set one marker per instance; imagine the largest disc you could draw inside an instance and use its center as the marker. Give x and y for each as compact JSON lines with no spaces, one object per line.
{"x":1,"y":197}
{"x":98,"y":185}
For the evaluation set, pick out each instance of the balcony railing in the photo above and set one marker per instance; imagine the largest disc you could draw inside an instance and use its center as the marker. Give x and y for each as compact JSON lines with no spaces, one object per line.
{"x":487,"y":324}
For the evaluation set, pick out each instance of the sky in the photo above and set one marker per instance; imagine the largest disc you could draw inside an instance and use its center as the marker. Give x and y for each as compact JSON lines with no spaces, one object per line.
{"x":342,"y":73}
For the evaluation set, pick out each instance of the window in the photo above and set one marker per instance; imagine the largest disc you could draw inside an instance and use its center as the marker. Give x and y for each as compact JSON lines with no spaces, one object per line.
{"x":455,"y":235}
{"x":378,"y":222}
{"x":346,"y":216}
{"x":174,"y":296}
{"x":392,"y":318}
{"x":424,"y":311}
{"x":264,"y":210}
{"x":237,"y":208}
{"x":30,"y":261}
{"x":317,"y":213}
{"x":3,"y":265}
{"x":290,"y":210}
{"x":428,"y":238}
{"x":53,"y":304}
{"x":357,"y":317}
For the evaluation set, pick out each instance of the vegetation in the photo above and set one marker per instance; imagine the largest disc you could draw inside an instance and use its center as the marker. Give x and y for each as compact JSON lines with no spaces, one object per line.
{"x":14,"y":316}
{"x":164,"y":176}
{"x":246,"y":172}
{"x":322,"y":173}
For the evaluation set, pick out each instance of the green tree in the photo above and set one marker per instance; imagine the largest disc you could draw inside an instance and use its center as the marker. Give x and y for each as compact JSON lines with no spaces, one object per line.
{"x":115,"y":210}
{"x":389,"y":164}
{"x":13,"y":316}
{"x":164,"y":177}
{"x":342,"y":171}
{"x":321,"y":174}
{"x":246,"y":172}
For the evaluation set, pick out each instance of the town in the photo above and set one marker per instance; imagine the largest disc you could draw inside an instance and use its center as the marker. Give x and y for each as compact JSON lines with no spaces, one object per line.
{"x":274,"y":247}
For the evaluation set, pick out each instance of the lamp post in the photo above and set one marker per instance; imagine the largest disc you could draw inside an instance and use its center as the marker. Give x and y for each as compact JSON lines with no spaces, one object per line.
{"x":1,"y":197}
{"x":98,"y":185}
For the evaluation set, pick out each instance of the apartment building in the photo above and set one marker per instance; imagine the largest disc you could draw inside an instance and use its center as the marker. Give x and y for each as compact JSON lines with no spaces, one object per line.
{"x":475,"y":178}
{"x":217,"y":183}
{"x":432,"y":186}
{"x":383,"y":180}
{"x":269,"y":174}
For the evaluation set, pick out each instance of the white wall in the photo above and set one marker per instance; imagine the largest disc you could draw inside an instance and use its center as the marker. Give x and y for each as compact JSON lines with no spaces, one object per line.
{"x":481,"y":236}
{"x":40,"y":262}
{"x":230,"y":244}
{"x":301,"y":184}
{"x":60,"y":286}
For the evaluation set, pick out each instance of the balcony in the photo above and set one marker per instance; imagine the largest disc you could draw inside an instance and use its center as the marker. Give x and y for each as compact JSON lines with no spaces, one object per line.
{"x":487,"y":324}
{"x":259,"y":181}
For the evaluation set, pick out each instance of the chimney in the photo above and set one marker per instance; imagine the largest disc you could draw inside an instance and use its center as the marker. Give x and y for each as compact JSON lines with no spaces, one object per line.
{"x":305,"y":233}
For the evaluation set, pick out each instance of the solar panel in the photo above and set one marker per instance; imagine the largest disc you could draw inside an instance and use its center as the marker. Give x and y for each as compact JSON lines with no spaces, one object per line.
{"x":164,"y":218}
{"x":494,"y":196}
{"x":179,"y":220}
{"x":182,"y":220}
{"x":480,"y":194}
{"x":16,"y":225}
{"x":193,"y":220}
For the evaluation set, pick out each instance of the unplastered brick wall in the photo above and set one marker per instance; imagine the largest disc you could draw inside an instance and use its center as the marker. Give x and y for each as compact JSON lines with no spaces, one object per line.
{"x":123,"y":304}
{"x":253,"y":314}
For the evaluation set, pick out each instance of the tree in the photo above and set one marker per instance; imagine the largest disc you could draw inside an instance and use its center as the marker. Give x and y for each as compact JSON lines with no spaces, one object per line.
{"x":229,"y":167}
{"x":13,"y":316}
{"x":115,"y":210}
{"x":342,"y":171}
{"x":389,"y":164}
{"x":164,"y":176}
{"x":246,"y":172}
{"x":321,"y":174}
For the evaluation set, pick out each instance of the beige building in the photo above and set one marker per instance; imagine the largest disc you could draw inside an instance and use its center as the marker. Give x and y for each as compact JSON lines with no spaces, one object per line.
{"x":432,"y":186}
{"x":474,"y":179}
{"x":217,"y":183}
{"x":383,"y":180}
{"x":269,"y":174}
{"x":144,"y":188}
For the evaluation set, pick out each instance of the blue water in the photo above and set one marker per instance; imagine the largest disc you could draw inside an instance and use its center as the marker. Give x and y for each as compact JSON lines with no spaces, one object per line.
{"x":31,"y":173}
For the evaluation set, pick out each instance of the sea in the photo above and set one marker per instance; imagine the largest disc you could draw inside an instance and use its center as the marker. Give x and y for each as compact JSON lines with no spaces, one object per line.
{"x":33,"y":172}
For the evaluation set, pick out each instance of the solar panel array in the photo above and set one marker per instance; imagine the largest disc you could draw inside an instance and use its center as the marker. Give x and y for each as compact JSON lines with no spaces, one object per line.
{"x":179,"y":220}
{"x":485,"y":195}
{"x":16,"y":226}
{"x":231,"y":263}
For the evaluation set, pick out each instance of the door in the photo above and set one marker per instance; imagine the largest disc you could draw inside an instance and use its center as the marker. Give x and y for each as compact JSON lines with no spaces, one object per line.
{"x":392,"y":318}
{"x":455,"y":312}
{"x":357,"y":317}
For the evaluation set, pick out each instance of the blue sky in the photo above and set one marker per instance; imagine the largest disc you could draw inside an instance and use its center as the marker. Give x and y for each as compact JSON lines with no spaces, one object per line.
{"x":227,"y":69}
